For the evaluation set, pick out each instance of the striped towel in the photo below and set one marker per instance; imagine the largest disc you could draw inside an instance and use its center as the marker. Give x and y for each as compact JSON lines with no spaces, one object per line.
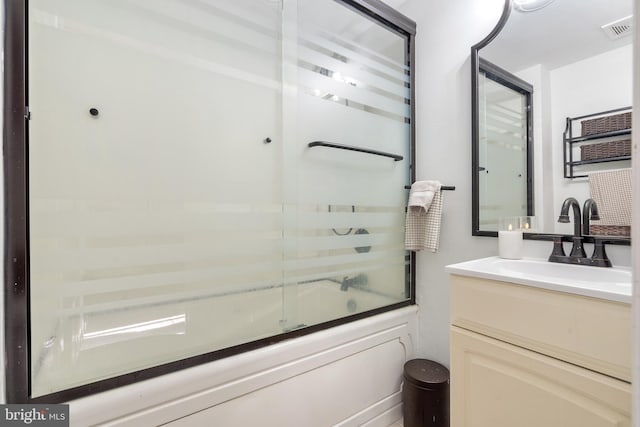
{"x":612,"y":192}
{"x":424,"y":215}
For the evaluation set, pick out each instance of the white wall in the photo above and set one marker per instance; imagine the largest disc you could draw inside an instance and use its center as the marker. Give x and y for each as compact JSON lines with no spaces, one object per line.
{"x":596,"y":84}
{"x":446,"y":32}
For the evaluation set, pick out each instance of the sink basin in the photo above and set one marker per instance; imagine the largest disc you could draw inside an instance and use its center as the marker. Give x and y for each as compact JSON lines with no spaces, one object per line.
{"x":607,"y":283}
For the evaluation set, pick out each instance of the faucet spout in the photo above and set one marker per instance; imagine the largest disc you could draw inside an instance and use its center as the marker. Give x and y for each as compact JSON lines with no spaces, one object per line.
{"x":564,"y":215}
{"x":589,"y":211}
{"x":358,"y":281}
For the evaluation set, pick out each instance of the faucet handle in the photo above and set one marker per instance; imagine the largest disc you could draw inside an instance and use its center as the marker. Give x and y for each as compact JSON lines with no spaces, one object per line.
{"x":577,"y":251}
{"x":558,"y":249}
{"x":599,"y":257}
{"x":557,"y":255}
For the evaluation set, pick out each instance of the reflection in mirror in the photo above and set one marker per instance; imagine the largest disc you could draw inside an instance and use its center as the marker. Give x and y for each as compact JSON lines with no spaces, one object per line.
{"x":504,"y":146}
{"x":577,"y":56}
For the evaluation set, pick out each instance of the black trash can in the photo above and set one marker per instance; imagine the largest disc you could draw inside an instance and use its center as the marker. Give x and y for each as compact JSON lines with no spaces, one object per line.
{"x":425,"y":394}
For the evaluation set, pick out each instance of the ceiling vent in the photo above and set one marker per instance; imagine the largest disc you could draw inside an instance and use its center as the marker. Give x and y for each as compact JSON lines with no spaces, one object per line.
{"x":620,"y":28}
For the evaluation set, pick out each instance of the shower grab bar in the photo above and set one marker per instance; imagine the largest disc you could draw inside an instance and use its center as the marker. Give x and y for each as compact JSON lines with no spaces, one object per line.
{"x":395,"y":157}
{"x":443,"y":188}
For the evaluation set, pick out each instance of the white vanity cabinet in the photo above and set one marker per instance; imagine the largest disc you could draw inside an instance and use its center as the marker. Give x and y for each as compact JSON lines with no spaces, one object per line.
{"x":523,"y":356}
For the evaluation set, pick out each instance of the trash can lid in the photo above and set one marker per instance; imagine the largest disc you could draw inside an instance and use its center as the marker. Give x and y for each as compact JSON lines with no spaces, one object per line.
{"x":426,"y":373}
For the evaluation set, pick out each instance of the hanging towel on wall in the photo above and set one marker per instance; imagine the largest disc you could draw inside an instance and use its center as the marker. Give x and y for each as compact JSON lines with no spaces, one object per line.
{"x":612,"y":192}
{"x":424,"y":215}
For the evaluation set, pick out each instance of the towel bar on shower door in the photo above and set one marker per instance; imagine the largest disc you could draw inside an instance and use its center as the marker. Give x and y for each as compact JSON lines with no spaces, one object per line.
{"x":443,"y":188}
{"x":395,"y":157}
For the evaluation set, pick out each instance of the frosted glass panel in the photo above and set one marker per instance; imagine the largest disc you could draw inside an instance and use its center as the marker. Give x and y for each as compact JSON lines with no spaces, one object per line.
{"x":502,"y":152}
{"x":152,"y":220}
{"x":348,"y":231}
{"x":175,"y":207}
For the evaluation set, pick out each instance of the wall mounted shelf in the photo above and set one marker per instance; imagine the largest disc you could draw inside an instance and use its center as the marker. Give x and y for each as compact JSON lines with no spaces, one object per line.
{"x":610,"y":143}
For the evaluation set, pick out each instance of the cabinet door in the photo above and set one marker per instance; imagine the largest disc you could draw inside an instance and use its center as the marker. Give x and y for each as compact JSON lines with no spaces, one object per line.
{"x":588,"y":332}
{"x":496,"y":384}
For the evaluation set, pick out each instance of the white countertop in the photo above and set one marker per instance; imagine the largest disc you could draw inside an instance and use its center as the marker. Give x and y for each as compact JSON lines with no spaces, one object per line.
{"x":612,"y":284}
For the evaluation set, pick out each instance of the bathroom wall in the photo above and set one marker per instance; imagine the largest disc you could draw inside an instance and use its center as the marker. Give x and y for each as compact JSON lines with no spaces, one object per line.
{"x":446,"y":32}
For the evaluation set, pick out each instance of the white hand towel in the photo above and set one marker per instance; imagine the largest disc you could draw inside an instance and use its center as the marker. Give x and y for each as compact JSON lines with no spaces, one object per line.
{"x":422,"y":192}
{"x":424,"y":214}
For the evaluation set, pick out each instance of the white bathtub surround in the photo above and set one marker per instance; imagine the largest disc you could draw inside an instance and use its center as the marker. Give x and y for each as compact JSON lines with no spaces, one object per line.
{"x":332,"y":377}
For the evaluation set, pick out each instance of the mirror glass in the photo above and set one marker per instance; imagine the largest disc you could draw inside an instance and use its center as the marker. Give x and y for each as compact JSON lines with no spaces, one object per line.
{"x":577,"y":57}
{"x":504,"y":146}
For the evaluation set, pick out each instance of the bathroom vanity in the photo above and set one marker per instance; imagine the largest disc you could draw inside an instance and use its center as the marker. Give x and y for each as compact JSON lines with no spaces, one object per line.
{"x":539,"y":344}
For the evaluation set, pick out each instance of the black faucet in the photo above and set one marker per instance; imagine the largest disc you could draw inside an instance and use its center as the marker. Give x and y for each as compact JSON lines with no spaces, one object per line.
{"x":358,"y":282}
{"x":578,"y":255}
{"x":589,"y":210}
{"x":577,"y":251}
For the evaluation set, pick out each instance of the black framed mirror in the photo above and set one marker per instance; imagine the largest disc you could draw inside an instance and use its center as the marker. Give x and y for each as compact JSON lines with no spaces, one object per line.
{"x":554,"y":64}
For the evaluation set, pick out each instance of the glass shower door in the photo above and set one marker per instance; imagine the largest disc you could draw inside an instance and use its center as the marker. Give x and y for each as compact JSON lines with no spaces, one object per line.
{"x":344,"y":245}
{"x":190,"y":196}
{"x":155,"y":195}
{"x":502,"y":152}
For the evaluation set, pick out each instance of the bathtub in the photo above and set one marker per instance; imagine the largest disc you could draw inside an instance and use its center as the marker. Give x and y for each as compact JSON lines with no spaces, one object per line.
{"x":349,"y":375}
{"x":95,"y":341}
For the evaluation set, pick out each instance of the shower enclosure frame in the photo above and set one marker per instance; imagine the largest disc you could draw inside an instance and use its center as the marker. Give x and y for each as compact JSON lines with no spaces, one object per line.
{"x":16,"y":211}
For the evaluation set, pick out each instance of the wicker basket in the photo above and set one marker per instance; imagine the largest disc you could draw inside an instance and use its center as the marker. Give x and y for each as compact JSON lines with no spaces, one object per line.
{"x":606,"y":124}
{"x":610,"y":230}
{"x":605,"y":150}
